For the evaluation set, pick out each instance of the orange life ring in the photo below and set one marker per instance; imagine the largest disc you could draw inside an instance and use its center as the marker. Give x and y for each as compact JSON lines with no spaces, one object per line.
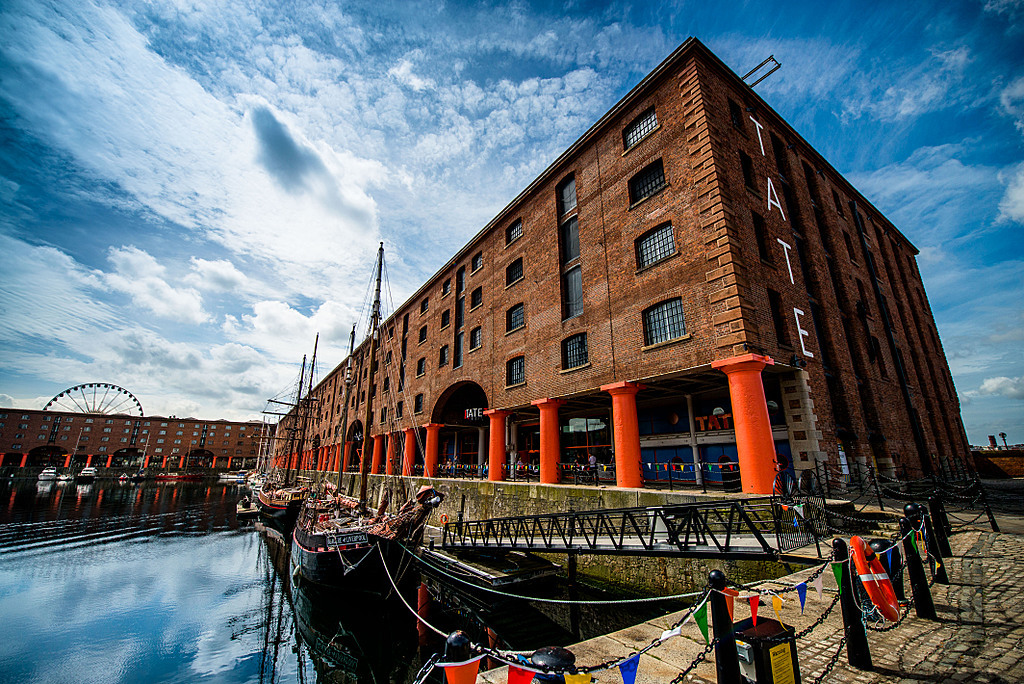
{"x":444,"y":518}
{"x":875,"y":580}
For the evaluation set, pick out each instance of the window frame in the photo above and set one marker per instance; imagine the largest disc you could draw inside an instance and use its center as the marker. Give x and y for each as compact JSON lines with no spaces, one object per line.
{"x":566,"y":352}
{"x":648,"y":322}
{"x":640,"y":182}
{"x":509,"y":282}
{"x":521,"y":306}
{"x":476,"y":298}
{"x":513,"y":232}
{"x":649,"y":237}
{"x":640,"y":123}
{"x":519,"y":361}
{"x":478,"y":334}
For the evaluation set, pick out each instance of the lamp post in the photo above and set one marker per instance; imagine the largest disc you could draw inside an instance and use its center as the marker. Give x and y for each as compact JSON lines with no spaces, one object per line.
{"x":1002,"y":436}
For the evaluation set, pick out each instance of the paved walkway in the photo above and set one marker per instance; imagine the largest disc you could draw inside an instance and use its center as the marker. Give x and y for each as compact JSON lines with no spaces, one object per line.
{"x":979,"y":636}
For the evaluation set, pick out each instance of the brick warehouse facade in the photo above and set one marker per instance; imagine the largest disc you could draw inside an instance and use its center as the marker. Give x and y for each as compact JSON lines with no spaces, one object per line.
{"x":32,"y":438}
{"x":689,"y":283}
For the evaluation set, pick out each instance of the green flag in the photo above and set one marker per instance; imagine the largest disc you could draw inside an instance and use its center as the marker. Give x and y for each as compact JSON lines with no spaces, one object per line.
{"x":701,"y":618}
{"x":837,"y":569}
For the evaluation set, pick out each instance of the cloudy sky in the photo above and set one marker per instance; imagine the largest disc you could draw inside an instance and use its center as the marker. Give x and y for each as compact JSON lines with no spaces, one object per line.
{"x":190,"y":190}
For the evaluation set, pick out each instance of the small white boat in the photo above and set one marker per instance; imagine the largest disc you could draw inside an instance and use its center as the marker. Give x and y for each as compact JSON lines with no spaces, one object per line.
{"x":88,"y":474}
{"x":238,"y":477}
{"x":64,"y":477}
{"x":48,"y":474}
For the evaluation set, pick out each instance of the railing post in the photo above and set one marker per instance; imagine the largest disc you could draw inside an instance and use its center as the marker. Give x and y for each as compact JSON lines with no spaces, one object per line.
{"x":857,"y":653}
{"x":874,"y":479}
{"x":941,"y":524}
{"x":937,"y":566}
{"x":704,"y":478}
{"x":828,"y":482}
{"x":923,"y":603}
{"x":984,"y":502}
{"x":727,"y":662}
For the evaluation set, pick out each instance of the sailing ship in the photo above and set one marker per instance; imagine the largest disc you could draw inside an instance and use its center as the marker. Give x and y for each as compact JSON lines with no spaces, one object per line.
{"x":336,"y":535}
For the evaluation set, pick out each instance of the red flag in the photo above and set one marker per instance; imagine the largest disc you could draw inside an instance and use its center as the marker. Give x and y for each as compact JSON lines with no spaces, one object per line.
{"x":729,"y":594}
{"x":461,"y":673}
{"x":754,"y":602}
{"x":518,"y":676}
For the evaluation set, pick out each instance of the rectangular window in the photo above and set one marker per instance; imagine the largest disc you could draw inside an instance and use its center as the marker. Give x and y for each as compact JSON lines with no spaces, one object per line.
{"x":748,"y":171}
{"x":566,"y":195}
{"x":398,"y":410}
{"x":778,"y":320}
{"x":647,"y":182}
{"x":515,"y":318}
{"x":460,"y":280}
{"x":443,"y":357}
{"x":418,"y":404}
{"x":476,"y":298}
{"x":574,"y":351}
{"x":849,"y":246}
{"x":424,"y":305}
{"x":476,"y":337}
{"x":655,"y":245}
{"x":514,"y":272}
{"x":457,"y":359}
{"x":639,"y":128}
{"x":781,"y":152}
{"x":760,"y":234}
{"x":664,"y":321}
{"x":569,"y":233}
{"x":513,"y":232}
{"x":572,"y":287}
{"x":423,"y":334}
{"x":446,"y":318}
{"x":736,"y":114}
{"x":838,"y":202}
{"x":383,"y":413}
{"x":478,"y":261}
{"x":446,"y":288}
{"x":515,"y":371}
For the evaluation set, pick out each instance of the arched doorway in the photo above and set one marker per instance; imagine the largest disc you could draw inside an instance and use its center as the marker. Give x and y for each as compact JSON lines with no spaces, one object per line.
{"x":462,"y":440}
{"x":127,"y":458}
{"x":43,"y":456}
{"x":199,"y":458}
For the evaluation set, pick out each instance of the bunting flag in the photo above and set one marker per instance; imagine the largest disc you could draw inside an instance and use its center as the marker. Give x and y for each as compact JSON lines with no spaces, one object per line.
{"x":519,"y":676}
{"x":818,"y":583}
{"x":669,"y":633}
{"x":777,"y":606}
{"x":837,"y":570}
{"x":627,"y":669}
{"x":799,"y":508}
{"x":582,"y":678}
{"x":700,"y":616}
{"x":755,"y":601}
{"x":461,"y":673}
{"x":913,"y":542}
{"x":730,"y":595}
{"x":796,"y":521}
{"x":801,"y":591}
{"x":888,"y":559}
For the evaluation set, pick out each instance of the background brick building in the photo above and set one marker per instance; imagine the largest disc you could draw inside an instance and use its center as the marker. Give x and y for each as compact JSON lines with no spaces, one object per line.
{"x":690,"y":231}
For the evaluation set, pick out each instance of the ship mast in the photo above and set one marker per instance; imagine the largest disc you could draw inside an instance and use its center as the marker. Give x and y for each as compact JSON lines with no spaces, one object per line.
{"x":294,"y":427}
{"x":344,"y":408}
{"x":364,"y":466}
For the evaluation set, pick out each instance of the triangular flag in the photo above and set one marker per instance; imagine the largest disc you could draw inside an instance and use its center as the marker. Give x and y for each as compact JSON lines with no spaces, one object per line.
{"x":801,"y":591}
{"x":888,"y":559}
{"x":755,"y":601}
{"x":581,"y":678}
{"x":461,"y":673}
{"x":785,"y":507}
{"x":913,"y":542}
{"x":628,"y":670}
{"x":777,"y":606}
{"x":669,"y":633}
{"x":796,"y":521}
{"x":818,"y":586}
{"x":837,"y":570}
{"x":700,"y":616}
{"x":730,"y":594}
{"x":799,"y":508}
{"x":519,"y":676}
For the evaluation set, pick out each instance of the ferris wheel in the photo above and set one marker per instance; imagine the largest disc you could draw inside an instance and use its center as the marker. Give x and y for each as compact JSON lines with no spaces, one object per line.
{"x":96,"y":397}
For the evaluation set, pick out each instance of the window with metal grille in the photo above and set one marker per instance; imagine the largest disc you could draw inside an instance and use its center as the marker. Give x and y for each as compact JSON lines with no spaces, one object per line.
{"x":421,"y":367}
{"x":513,"y":232}
{"x":417,"y":406}
{"x":476,"y":298}
{"x":423,"y":334}
{"x":654,"y":245}
{"x":457,"y":358}
{"x":648,"y":181}
{"x":476,"y":337}
{"x":446,"y":318}
{"x":515,"y":318}
{"x":478,"y":261}
{"x":514,"y":272}
{"x":641,"y":126}
{"x":446,"y":288}
{"x":570,"y":239}
{"x":574,"y":351}
{"x":735,"y":114}
{"x":443,"y":356}
{"x":424,"y":305}
{"x":664,"y":321}
{"x":515,"y":371}
{"x":566,"y":195}
{"x":398,"y":410}
{"x":572,"y":290}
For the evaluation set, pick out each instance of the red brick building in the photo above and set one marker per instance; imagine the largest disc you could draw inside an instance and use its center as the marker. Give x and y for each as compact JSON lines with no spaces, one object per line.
{"x":39,"y":438}
{"x":689,"y":283}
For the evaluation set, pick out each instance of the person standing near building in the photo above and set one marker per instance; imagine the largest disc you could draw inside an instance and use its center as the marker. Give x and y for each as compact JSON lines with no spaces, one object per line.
{"x":592,"y":461}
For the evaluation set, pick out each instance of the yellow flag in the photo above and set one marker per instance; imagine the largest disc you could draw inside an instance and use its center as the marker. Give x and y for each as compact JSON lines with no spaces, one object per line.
{"x":583,"y":678}
{"x":777,"y":606}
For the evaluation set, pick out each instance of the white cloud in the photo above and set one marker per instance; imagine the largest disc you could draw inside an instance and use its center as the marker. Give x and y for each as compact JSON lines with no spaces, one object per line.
{"x":1011,"y":207}
{"x":1011,"y":388}
{"x":6,"y":401}
{"x":138,"y":275}
{"x":402,"y":72}
{"x":220,"y":275}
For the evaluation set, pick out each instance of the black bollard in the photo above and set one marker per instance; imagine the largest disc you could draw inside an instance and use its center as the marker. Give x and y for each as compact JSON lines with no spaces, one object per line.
{"x":938,"y":568}
{"x":984,"y":503}
{"x":941,"y":525}
{"x":893,"y":569}
{"x":923,"y":604}
{"x":727,"y":661}
{"x":857,"y":653}
{"x":555,"y":660}
{"x":457,"y":647}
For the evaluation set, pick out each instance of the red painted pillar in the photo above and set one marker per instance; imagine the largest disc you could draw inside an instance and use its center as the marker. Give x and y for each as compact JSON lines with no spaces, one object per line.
{"x":410,"y":451}
{"x":550,"y":448}
{"x":24,"y":460}
{"x":214,"y":465}
{"x":67,"y":460}
{"x":145,"y":464}
{"x":110,"y":459}
{"x":389,"y":464}
{"x":229,"y":461}
{"x":496,"y":445}
{"x":430,"y":457}
{"x":162,"y":465}
{"x":755,"y":447}
{"x":378,"y":454}
{"x":625,"y":433}
{"x":346,"y":457}
{"x":181,"y":462}
{"x":88,"y":460}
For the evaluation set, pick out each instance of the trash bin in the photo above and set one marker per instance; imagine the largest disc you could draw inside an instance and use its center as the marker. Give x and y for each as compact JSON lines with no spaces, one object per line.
{"x":767,"y":652}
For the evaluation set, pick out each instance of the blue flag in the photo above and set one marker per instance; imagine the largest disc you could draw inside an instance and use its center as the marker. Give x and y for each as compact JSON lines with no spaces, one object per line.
{"x":628,"y":669}
{"x":801,"y":590}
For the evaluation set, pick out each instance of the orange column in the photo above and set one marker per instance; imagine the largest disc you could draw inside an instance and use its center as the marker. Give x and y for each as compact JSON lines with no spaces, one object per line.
{"x":215,"y":463}
{"x":389,"y":464}
{"x":625,"y":433}
{"x":149,"y":456}
{"x":67,"y":460}
{"x":181,"y":462}
{"x":378,"y":454}
{"x":550,"y":449}
{"x":24,"y":460}
{"x":410,"y":451}
{"x":110,"y":459}
{"x":346,"y":457}
{"x":496,"y":445}
{"x":755,"y":447}
{"x":229,"y":461}
{"x":162,"y":465}
{"x":430,"y":457}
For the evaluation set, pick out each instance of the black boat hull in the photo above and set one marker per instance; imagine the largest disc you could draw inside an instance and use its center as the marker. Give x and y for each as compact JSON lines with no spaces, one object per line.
{"x":355,"y":567}
{"x":283,"y":515}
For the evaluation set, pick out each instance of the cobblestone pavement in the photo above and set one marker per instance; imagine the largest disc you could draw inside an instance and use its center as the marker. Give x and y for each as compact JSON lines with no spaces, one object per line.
{"x":978,"y":637}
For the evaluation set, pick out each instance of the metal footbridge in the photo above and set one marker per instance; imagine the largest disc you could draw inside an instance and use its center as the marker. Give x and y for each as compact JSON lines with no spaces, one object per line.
{"x":755,"y":528}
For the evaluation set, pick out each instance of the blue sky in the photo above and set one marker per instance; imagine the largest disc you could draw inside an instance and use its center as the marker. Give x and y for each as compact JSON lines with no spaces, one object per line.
{"x":190,"y":190}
